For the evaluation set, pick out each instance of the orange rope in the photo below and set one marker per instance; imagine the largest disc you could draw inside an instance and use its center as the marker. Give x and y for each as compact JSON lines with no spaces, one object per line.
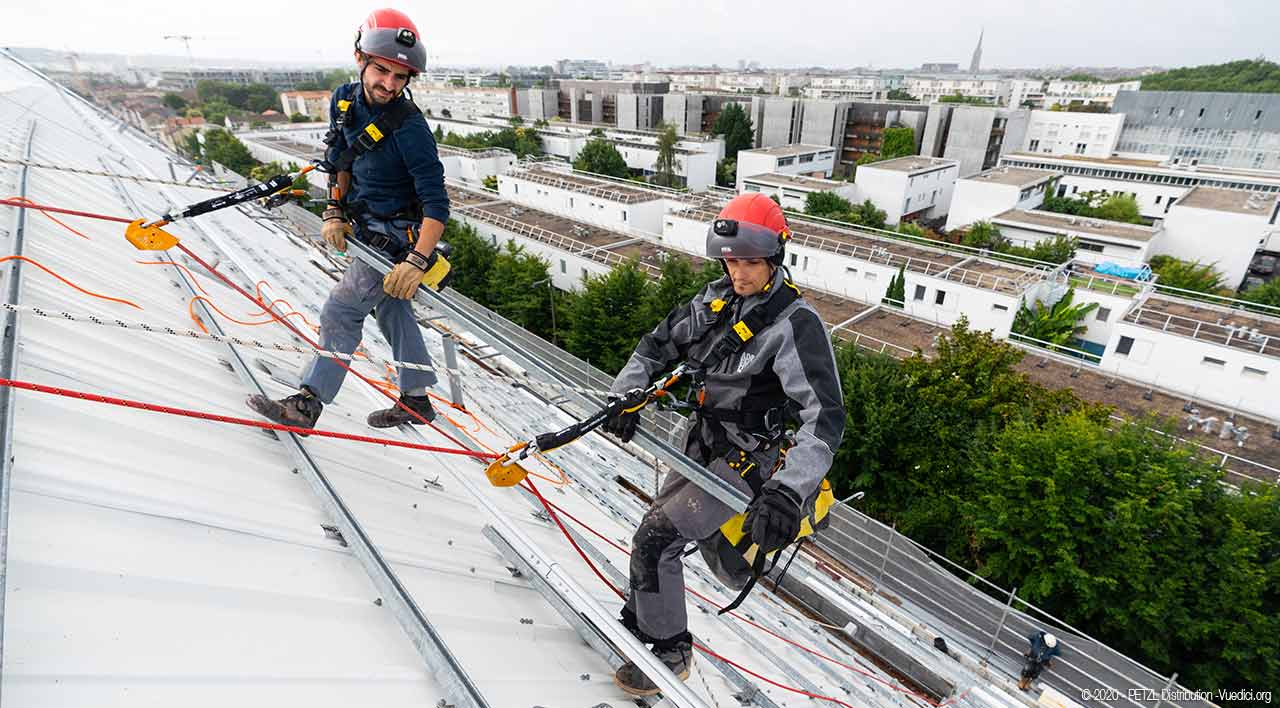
{"x":192,"y":305}
{"x":55,"y":219}
{"x":181,"y":267}
{"x":100,"y":296}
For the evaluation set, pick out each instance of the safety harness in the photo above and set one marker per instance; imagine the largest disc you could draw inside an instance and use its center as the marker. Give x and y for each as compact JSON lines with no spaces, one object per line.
{"x":437,"y":271}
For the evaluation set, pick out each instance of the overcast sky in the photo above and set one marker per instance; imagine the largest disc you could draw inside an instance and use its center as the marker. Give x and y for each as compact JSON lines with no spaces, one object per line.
{"x":835,"y":33}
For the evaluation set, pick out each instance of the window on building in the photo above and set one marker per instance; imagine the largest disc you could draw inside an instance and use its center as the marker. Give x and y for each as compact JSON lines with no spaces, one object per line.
{"x":807,"y":158}
{"x":1200,"y":114}
{"x":1035,"y":145}
{"x":907,"y":207}
{"x":1213,"y":363}
{"x":794,"y":257}
{"x":871,"y":276}
{"x":1075,"y":188}
{"x":784,"y":161}
{"x":939,"y":297}
{"x":805,"y":266}
{"x":517,"y":188}
{"x":1103,"y":314}
{"x":624,"y":214}
{"x":1158,"y":198}
{"x":562,"y":266}
{"x":920,"y":290}
{"x":1257,"y":116}
{"x":1171,"y":110}
{"x":1251,"y":373}
{"x":1081,"y":147}
{"x":1124,"y":346}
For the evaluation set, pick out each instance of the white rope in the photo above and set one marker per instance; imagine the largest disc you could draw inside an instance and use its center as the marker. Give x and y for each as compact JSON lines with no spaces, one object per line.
{"x":101,"y":173}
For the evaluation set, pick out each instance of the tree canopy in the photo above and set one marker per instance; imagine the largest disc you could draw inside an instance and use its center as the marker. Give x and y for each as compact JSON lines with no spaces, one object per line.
{"x":735,"y":125}
{"x":601,"y":157}
{"x":1244,"y":76}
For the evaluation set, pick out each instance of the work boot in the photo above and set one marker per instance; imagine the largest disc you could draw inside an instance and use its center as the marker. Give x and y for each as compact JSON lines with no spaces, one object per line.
{"x":676,"y":653}
{"x":300,"y":410}
{"x":395,"y":415}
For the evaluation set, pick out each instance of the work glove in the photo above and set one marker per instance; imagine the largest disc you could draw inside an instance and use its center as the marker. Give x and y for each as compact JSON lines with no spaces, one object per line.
{"x":403,"y":280}
{"x":335,"y":229}
{"x":623,"y":424}
{"x":773,"y":518}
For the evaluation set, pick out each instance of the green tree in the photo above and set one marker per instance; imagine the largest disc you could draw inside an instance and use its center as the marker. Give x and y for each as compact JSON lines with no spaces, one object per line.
{"x":679,"y":282}
{"x":1197,"y":276}
{"x":338,"y":77}
{"x":900,"y":95}
{"x":1058,"y":249}
{"x":541,"y":123}
{"x":958,"y":98}
{"x":298,"y":118}
{"x":735,"y":125}
{"x":866,"y":214}
{"x":516,"y":121}
{"x":491,"y":182}
{"x":984,"y":234}
{"x":224,"y":148}
{"x":826,"y":204}
{"x":596,"y":133}
{"x":666,"y":164}
{"x":896,"y":294}
{"x":727,"y":173}
{"x":601,"y":157}
{"x":512,"y":290}
{"x":898,"y":141}
{"x":439,"y":134}
{"x":174,"y":101}
{"x":602,"y":324}
{"x":1245,"y":76}
{"x":1057,"y":324}
{"x":1266,"y":294}
{"x":260,"y":97}
{"x":471,"y":259}
{"x":910,"y":228}
{"x":1120,"y":207}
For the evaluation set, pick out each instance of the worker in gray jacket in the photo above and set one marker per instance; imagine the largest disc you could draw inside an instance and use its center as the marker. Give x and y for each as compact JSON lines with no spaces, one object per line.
{"x":769,"y":419}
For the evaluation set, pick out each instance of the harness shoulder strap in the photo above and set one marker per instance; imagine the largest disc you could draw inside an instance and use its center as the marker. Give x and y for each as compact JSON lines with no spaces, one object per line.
{"x":372,"y":135}
{"x":756,"y":320}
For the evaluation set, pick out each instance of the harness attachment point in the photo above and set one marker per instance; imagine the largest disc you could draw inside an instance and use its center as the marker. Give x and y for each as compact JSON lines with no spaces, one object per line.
{"x":507,"y":471}
{"x":149,"y":238}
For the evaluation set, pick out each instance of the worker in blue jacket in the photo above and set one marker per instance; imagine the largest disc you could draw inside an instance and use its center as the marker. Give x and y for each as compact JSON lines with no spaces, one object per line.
{"x":388,"y":192}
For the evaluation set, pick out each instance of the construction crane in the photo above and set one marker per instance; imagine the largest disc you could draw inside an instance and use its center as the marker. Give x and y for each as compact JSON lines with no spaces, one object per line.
{"x":186,"y":40}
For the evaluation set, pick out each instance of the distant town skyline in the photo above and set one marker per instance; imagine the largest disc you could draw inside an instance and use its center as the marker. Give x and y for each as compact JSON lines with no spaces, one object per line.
{"x":667,"y":33}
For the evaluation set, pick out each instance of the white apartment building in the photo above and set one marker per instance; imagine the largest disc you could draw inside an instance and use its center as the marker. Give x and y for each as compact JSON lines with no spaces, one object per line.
{"x":749,"y":82}
{"x":909,"y":188}
{"x":1064,"y":93}
{"x":792,"y":191}
{"x":1155,"y":185}
{"x":1065,"y":133}
{"x":612,"y":205}
{"x":474,"y":166}
{"x":1026,"y":93}
{"x":692,"y":81}
{"x":803,"y":160}
{"x":931,"y":88}
{"x":996,"y":191}
{"x":847,"y":88}
{"x":465,"y":103}
{"x":1223,"y":227}
{"x":312,"y":104}
{"x":1098,"y":240}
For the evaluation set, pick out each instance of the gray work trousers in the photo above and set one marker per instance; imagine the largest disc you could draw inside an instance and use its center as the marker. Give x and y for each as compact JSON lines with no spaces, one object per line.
{"x":681,"y":513}
{"x":342,"y":325}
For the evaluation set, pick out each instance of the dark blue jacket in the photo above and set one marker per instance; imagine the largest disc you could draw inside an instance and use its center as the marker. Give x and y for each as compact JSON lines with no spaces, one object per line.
{"x":404,"y":169}
{"x":1041,"y":651}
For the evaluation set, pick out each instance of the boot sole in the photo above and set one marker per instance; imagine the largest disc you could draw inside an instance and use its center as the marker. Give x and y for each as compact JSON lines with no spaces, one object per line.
{"x":631,"y":690}
{"x":260,"y":404}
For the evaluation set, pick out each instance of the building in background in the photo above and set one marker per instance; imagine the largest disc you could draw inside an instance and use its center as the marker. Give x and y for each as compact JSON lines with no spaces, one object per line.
{"x":597,"y":101}
{"x":1222,"y":227}
{"x":1097,"y":240}
{"x":1239,"y":130}
{"x":582,"y":69}
{"x":312,"y":104}
{"x":792,"y":191}
{"x":1065,"y":93}
{"x":931,"y":88}
{"x":974,"y":136}
{"x":996,"y":191}
{"x":803,"y":160}
{"x":1072,"y":133}
{"x":465,"y":102}
{"x":909,"y":188}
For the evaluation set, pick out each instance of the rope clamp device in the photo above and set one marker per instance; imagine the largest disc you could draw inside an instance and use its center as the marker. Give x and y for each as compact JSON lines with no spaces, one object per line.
{"x":507,"y":470}
{"x":149,"y":238}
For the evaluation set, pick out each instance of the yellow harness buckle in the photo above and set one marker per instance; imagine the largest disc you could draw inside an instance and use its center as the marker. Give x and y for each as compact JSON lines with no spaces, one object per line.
{"x":373,"y":132}
{"x":717,"y":305}
{"x":744,"y":332}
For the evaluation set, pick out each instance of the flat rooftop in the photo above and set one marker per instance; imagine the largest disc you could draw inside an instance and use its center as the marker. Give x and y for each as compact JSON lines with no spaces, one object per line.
{"x":1014,"y":176}
{"x":459,"y":196}
{"x":1233,"y":328}
{"x":473,"y":154}
{"x":1065,"y":223}
{"x":601,"y":188}
{"x":1264,"y":176}
{"x":788,"y":150}
{"x":797,"y":181}
{"x":305,"y":151}
{"x":911,"y":164}
{"x":988,"y":275}
{"x":1236,"y":201}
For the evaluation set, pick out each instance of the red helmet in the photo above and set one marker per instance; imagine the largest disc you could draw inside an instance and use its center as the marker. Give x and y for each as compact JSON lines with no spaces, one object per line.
{"x":749,"y":226}
{"x":390,"y":34}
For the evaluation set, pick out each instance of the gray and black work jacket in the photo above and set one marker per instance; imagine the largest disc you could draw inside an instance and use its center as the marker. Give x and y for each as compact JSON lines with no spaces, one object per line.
{"x":790,"y":363}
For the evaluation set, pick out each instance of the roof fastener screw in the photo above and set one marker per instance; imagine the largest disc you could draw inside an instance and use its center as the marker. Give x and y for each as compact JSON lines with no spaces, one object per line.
{"x":378,"y":602}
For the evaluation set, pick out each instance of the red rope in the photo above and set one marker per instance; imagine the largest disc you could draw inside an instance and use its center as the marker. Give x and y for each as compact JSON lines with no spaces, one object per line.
{"x":247,"y":422}
{"x":28,"y":204}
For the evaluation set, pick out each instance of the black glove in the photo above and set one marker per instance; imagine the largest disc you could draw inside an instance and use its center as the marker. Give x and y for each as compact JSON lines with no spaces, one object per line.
{"x":773,"y":519}
{"x":623,"y":424}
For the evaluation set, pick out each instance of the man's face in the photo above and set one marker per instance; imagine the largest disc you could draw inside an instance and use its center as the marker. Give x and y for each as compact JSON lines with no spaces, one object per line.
{"x":383,"y":81}
{"x":749,"y":275}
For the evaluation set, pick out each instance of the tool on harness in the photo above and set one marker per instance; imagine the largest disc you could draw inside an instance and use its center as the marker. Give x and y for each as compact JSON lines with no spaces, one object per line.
{"x":507,"y":470}
{"x":257,"y":191}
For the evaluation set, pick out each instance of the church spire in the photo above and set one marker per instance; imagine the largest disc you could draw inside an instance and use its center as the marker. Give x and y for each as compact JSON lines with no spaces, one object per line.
{"x":975,"y":65}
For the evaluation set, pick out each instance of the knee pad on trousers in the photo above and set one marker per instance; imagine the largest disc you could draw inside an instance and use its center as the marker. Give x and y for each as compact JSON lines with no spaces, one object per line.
{"x":655,"y":534}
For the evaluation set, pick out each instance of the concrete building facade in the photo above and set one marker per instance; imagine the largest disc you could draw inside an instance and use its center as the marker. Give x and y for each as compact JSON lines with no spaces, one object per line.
{"x":909,"y":188}
{"x":1067,"y":133}
{"x":792,"y":191}
{"x":802,"y":160}
{"x":1238,"y":130}
{"x":1222,"y":227}
{"x":996,"y":191}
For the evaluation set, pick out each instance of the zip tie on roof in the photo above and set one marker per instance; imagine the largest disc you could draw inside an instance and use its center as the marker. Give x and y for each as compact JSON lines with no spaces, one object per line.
{"x":232,"y":420}
{"x":101,"y":173}
{"x":109,"y":321}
